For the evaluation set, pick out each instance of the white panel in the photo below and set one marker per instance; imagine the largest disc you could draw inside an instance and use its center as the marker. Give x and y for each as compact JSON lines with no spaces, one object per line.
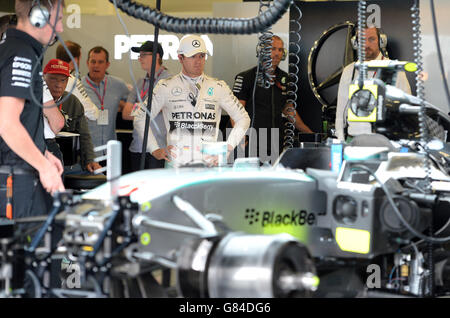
{"x":106,"y":31}
{"x":232,"y":53}
{"x":434,"y":88}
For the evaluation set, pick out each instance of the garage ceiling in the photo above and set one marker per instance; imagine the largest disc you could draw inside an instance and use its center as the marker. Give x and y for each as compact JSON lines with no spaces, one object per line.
{"x":7,"y":6}
{"x":166,"y":5}
{"x":104,"y":7}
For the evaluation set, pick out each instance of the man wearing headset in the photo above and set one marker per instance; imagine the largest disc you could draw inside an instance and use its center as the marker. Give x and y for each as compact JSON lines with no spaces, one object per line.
{"x":373,"y":46}
{"x":27,"y":169}
{"x":56,"y":75}
{"x":271,"y":103}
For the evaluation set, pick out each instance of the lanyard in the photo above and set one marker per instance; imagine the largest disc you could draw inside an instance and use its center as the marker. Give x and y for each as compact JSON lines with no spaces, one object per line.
{"x":57,"y":101}
{"x":102,"y":99}
{"x":144,"y":93}
{"x":374,"y":74}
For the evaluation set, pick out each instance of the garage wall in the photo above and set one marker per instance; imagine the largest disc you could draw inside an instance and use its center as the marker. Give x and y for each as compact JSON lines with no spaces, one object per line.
{"x":232,"y":54}
{"x":434,"y":86}
{"x":108,"y":32}
{"x":393,"y":17}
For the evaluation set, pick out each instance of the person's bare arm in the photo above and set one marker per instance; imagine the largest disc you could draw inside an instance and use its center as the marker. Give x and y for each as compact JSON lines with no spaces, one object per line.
{"x":17,"y":138}
{"x":92,"y":166}
{"x":121,"y":105}
{"x":164,"y":153}
{"x":55,"y":161}
{"x":299,"y":124}
{"x":126,"y":111}
{"x":55,"y":118}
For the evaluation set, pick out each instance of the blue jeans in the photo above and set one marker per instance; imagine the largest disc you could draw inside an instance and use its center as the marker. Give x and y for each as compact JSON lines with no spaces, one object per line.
{"x":150,"y":161}
{"x":75,"y":169}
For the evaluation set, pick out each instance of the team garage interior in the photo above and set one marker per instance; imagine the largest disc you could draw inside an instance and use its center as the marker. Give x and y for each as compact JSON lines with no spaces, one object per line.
{"x":352,"y":203}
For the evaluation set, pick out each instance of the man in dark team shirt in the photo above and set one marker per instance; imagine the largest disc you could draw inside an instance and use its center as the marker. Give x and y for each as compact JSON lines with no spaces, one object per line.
{"x":26,"y":167}
{"x":270,"y":104}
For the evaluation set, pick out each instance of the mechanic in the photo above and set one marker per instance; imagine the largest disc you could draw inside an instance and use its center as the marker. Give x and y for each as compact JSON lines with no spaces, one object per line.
{"x":108,"y":92}
{"x":133,"y":111}
{"x":56,"y":74}
{"x":270,"y":103}
{"x":373,"y":47}
{"x":26,"y":166}
{"x":192,"y":103}
{"x":90,"y":110}
{"x":53,"y":119}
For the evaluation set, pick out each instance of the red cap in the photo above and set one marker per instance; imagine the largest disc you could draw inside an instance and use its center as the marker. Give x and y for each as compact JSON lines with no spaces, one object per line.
{"x":55,"y":66}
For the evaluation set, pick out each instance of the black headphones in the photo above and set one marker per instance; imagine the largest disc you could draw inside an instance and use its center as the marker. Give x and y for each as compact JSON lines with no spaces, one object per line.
{"x":38,"y":15}
{"x":260,"y":47}
{"x":382,"y":41}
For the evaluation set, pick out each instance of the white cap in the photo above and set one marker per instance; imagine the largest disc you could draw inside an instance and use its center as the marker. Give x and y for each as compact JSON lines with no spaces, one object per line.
{"x":191,"y":45}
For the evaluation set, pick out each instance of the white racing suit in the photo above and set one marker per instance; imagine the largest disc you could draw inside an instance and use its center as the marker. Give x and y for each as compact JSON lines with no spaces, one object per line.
{"x":192,"y":110}
{"x":90,"y":110}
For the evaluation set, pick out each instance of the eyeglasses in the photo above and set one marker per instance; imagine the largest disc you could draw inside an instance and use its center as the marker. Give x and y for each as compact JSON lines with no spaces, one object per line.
{"x":144,"y":54}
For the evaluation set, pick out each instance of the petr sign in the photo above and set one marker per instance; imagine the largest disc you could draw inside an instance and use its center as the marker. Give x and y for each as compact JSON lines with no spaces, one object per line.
{"x":169,"y":43}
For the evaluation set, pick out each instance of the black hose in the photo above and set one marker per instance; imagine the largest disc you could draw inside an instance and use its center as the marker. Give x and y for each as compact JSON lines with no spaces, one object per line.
{"x":362,"y":8}
{"x":150,"y":93}
{"x":44,"y":228}
{"x":430,"y":246}
{"x":205,"y":25}
{"x":293,"y":76}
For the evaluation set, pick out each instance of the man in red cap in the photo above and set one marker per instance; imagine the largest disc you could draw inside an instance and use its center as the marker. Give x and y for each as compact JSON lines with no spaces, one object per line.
{"x":56,"y":75}
{"x":90,"y":110}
